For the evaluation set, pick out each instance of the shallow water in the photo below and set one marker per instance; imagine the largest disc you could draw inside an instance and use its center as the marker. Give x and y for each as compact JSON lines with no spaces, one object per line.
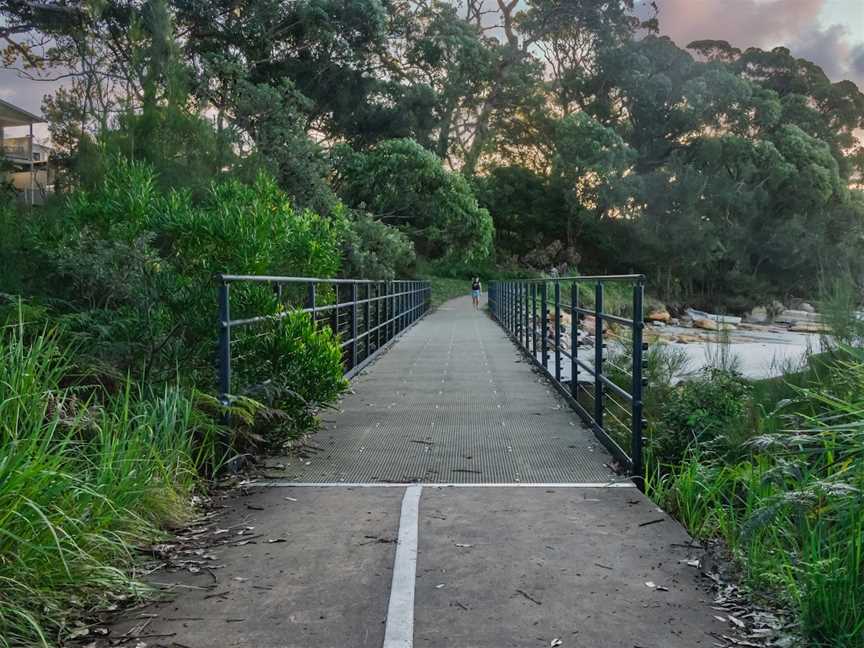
{"x":762,"y":353}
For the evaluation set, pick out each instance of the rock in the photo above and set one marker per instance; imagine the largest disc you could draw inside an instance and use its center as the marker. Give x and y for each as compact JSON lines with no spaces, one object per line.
{"x":658,"y":323}
{"x":712,"y":325}
{"x":807,"y":307}
{"x":674,"y":321}
{"x":758,"y":315}
{"x":589,"y":324}
{"x":688,"y":339}
{"x":790,"y":316}
{"x":809,"y":327}
{"x":723,"y":319}
{"x":658,"y":315}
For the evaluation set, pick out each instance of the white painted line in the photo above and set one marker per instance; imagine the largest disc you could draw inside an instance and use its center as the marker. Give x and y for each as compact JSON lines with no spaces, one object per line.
{"x":399,"y":631}
{"x":289,"y":484}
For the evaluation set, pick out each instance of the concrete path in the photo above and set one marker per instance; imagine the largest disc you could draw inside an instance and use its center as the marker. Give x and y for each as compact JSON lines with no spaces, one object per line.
{"x":455,"y":504}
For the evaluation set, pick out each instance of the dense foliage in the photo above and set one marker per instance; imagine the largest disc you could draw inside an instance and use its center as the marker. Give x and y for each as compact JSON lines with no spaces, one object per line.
{"x":724,"y":174}
{"x":407,"y":185}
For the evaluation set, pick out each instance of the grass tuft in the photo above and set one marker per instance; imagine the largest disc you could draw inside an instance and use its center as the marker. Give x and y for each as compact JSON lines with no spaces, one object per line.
{"x":85,"y":477}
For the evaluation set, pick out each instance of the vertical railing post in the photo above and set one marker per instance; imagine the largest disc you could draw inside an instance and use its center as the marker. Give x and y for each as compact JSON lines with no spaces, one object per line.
{"x":224,"y":346}
{"x":598,"y":355}
{"x":504,"y":304}
{"x":397,"y":307}
{"x":378,"y":320}
{"x":638,"y":469}
{"x":544,"y":326}
{"x":557,"y":330}
{"x":353,"y":324}
{"x":334,"y":313}
{"x":310,"y":300}
{"x":391,"y":315}
{"x":513,"y":327}
{"x":510,"y":306}
{"x":367,"y":314}
{"x":403,"y":311}
{"x":525,"y":306}
{"x":385,"y":299}
{"x":574,"y":339}
{"x":400,"y":305}
{"x":534,"y":320}
{"x":517,"y":309}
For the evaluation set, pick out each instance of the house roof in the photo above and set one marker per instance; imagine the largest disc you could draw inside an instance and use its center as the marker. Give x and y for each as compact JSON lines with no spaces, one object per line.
{"x":14,"y":116}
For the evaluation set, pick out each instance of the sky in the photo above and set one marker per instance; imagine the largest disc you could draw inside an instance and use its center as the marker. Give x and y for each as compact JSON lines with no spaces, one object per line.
{"x":828,"y":32}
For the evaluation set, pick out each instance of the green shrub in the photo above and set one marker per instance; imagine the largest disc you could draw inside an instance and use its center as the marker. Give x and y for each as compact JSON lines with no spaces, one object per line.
{"x":710,"y":411}
{"x":135,"y":266}
{"x":292,"y":366}
{"x":403,"y":183}
{"x":374,"y":250}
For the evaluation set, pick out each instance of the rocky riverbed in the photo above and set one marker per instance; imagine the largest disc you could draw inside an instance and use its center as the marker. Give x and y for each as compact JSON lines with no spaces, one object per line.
{"x":757,"y":350}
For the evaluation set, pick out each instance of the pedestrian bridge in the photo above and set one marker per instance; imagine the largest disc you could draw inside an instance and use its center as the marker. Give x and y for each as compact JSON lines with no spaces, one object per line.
{"x":455,"y":498}
{"x":456,"y":401}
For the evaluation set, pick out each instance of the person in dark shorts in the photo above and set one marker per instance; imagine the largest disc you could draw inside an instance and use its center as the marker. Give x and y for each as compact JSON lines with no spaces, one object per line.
{"x":475,"y":292}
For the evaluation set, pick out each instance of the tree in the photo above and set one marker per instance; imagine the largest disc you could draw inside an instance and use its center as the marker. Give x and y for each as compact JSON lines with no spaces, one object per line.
{"x":405,"y":185}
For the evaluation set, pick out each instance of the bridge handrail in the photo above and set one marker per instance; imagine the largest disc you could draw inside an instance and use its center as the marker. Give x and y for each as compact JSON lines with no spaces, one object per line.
{"x":232,"y":278}
{"x":514,"y":304}
{"x":365,"y":323}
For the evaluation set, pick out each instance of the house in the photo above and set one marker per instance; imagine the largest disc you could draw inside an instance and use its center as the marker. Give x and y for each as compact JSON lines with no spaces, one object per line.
{"x":25,"y":161}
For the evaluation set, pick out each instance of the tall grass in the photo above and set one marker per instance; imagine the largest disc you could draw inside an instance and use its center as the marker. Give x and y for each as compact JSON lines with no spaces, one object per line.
{"x":792,"y":512}
{"x":84,"y":478}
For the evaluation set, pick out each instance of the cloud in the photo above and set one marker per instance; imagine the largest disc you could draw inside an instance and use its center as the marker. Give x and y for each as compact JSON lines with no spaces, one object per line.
{"x":857,"y":60}
{"x":744,"y":23}
{"x":766,"y":24}
{"x":829,"y":47}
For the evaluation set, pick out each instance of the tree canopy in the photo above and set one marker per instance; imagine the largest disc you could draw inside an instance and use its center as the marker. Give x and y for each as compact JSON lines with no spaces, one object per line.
{"x":477,"y":128}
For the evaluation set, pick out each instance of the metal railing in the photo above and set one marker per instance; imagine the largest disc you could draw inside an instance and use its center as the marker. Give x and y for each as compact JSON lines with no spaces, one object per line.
{"x":605,"y":394}
{"x":366,"y":316}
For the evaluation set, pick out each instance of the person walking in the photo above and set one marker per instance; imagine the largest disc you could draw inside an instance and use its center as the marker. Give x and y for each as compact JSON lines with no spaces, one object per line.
{"x":475,"y":292}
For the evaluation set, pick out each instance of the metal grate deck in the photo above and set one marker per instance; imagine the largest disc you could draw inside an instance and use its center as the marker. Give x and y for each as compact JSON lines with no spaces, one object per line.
{"x":453,"y":401}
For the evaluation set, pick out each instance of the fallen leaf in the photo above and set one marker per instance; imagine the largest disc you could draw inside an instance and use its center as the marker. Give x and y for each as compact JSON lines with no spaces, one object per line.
{"x":737,"y":622}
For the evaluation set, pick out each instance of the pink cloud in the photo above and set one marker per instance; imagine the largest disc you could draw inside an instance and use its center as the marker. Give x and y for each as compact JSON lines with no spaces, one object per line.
{"x":767,"y":23}
{"x":744,"y":23}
